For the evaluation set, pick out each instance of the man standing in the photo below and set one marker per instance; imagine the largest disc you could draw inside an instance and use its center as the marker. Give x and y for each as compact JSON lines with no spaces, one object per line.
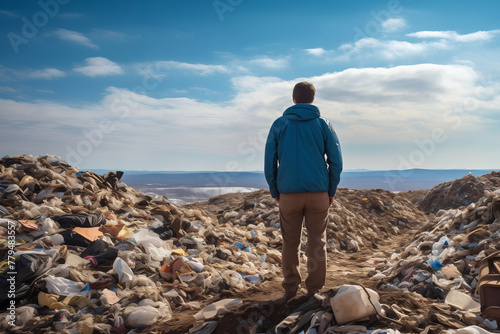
{"x":304,"y":183}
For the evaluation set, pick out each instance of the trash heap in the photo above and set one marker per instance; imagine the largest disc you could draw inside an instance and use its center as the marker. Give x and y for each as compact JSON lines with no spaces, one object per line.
{"x":461,"y":192}
{"x":442,"y":262}
{"x":347,"y":309}
{"x":357,"y":218}
{"x":85,"y":253}
{"x":428,"y":287}
{"x":363,"y":218}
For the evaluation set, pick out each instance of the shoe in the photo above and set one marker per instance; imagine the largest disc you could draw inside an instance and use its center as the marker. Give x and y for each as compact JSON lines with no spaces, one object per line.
{"x":285,"y":299}
{"x":313,"y":294}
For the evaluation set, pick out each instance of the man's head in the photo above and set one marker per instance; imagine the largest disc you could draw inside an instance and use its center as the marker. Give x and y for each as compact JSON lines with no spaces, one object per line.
{"x":303,"y":92}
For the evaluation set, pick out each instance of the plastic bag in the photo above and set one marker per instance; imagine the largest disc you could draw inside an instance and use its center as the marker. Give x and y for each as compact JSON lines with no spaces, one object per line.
{"x":234,"y":279}
{"x":217,"y":308}
{"x":152,"y":244}
{"x":57,"y":239}
{"x":142,"y":315}
{"x":125,"y":274}
{"x":438,"y":246}
{"x":62,"y":286}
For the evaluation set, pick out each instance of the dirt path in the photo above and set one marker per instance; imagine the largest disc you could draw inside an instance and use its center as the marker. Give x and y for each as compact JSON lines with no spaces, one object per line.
{"x":257,"y":301}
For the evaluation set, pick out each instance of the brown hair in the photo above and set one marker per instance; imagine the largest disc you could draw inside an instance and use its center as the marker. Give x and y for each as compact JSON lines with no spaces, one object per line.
{"x":304,"y":92}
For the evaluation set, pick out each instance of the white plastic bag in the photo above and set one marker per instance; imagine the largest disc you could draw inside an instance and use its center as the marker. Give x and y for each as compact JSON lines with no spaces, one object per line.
{"x":57,"y":239}
{"x":62,"y":286}
{"x":125,"y":274}
{"x":49,"y":226}
{"x":142,"y":316}
{"x":217,"y":308}
{"x":234,"y":279}
{"x":438,"y":246}
{"x":152,"y":244}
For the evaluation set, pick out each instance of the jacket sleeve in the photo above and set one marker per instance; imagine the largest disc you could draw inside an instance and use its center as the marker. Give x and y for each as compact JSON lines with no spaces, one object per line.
{"x":333,"y":159}
{"x":271,"y":162}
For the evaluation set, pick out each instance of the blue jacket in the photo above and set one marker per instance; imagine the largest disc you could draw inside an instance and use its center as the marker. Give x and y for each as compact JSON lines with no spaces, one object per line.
{"x":295,"y":153}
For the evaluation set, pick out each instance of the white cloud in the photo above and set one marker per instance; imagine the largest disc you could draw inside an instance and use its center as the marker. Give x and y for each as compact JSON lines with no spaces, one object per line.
{"x":316,"y":51}
{"x":233,"y":65}
{"x":454,"y":36}
{"x":5,"y":73}
{"x":202,"y":69}
{"x":71,"y":15}
{"x":368,"y":106}
{"x":99,"y":66}
{"x":108,"y":34}
{"x":388,"y":49}
{"x":376,"y":49}
{"x":15,"y":74}
{"x":270,"y":63}
{"x":8,"y":13}
{"x":48,"y":73}
{"x":391,"y":98}
{"x":6,"y":89}
{"x":393,"y":24}
{"x":75,"y":37}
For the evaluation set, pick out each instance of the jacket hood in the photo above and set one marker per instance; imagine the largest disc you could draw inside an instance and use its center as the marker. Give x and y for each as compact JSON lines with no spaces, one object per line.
{"x":302,"y":112}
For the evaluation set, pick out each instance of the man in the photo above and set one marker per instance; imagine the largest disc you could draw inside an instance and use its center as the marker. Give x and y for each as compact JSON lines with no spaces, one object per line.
{"x":303,"y":183}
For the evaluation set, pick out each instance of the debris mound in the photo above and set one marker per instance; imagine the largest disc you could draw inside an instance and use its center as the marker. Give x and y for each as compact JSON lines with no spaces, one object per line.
{"x":442,"y":262}
{"x":357,"y":218}
{"x":428,"y":286}
{"x":458,"y":193}
{"x":87,"y":253}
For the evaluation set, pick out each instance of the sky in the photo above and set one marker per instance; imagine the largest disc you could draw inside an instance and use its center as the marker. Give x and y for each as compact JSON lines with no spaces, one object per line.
{"x":196,"y":85}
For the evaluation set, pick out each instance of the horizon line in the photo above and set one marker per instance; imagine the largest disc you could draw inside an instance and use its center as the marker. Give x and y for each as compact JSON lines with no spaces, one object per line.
{"x":360,"y":170}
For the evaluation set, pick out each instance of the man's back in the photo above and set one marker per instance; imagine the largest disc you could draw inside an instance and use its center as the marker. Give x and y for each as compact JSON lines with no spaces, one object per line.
{"x":295,"y":153}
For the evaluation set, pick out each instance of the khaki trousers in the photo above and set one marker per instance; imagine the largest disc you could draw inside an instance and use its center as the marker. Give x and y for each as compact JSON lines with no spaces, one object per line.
{"x":294,"y":208}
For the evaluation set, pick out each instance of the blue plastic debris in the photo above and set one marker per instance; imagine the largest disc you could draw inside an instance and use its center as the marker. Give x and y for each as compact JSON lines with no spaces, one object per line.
{"x":251,"y":278}
{"x":435,"y":264}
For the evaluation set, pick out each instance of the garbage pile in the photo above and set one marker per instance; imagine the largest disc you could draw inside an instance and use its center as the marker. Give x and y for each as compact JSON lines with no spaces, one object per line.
{"x":428,"y":287}
{"x":330,"y":312}
{"x":461,"y":192}
{"x":357,"y":218}
{"x":84,"y":253}
{"x":345,"y":309}
{"x":442,"y":262}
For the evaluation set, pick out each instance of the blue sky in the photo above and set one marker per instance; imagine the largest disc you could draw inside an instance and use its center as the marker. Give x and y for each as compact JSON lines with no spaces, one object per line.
{"x":195,"y":85}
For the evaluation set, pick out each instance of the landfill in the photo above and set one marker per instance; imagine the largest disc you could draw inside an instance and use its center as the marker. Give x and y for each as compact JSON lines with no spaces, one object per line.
{"x":85,"y":253}
{"x":461,"y":192}
{"x":442,"y":261}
